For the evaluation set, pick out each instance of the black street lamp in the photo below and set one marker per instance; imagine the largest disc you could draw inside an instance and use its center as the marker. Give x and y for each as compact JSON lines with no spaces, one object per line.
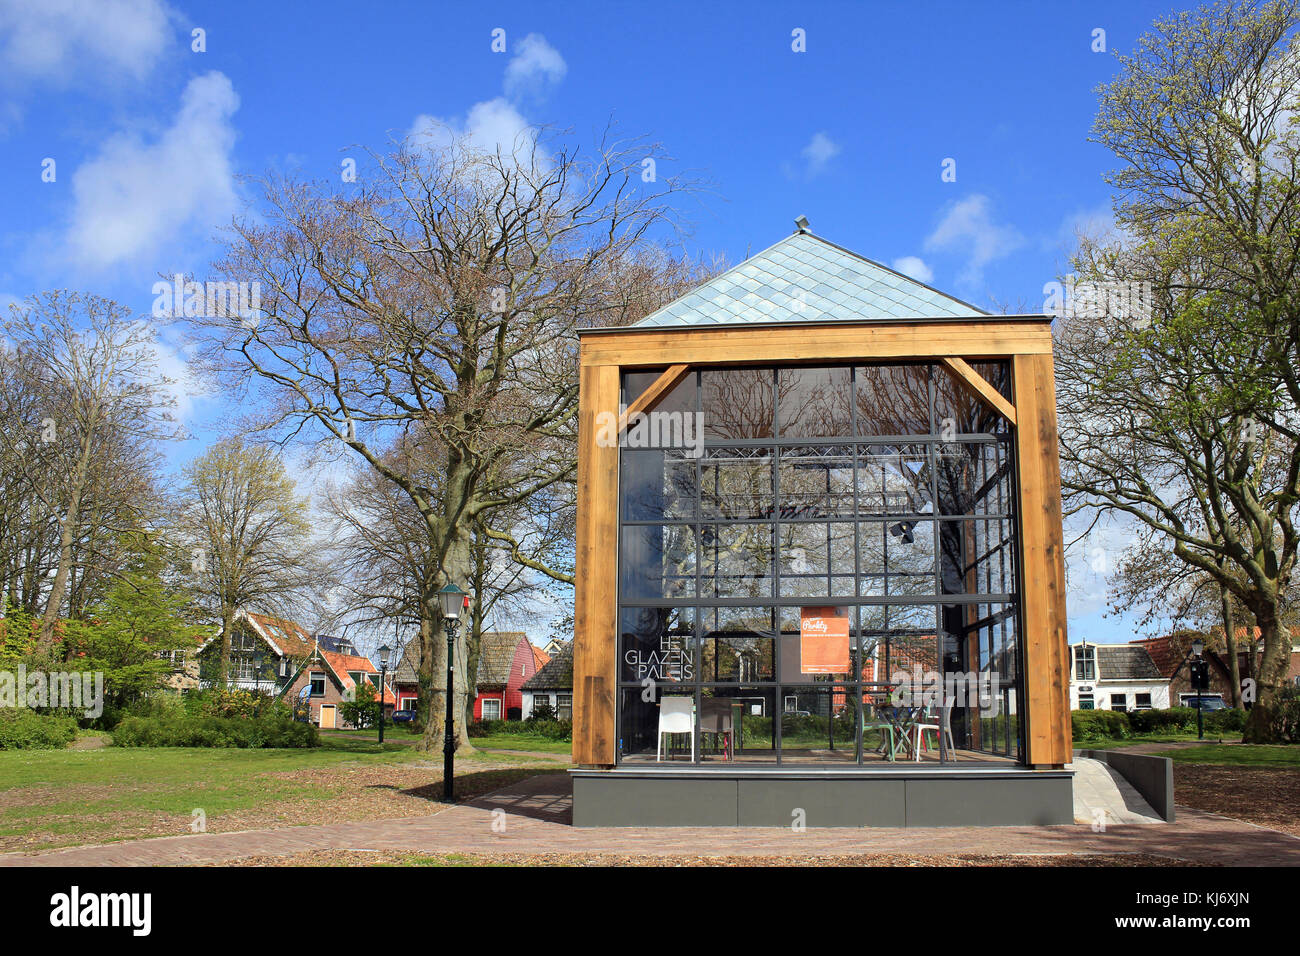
{"x":384,"y":651}
{"x":454,"y":601}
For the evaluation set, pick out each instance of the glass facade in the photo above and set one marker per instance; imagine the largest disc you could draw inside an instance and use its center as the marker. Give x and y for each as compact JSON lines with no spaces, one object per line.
{"x":827,"y":530}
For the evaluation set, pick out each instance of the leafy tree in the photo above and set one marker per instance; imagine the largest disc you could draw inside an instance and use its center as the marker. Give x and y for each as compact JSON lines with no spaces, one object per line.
{"x":1182,"y":413}
{"x":363,"y":710}
{"x":250,"y":536}
{"x":131,"y":634}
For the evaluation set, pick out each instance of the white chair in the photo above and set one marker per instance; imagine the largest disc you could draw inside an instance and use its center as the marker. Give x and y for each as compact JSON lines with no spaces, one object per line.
{"x":942,"y":731}
{"x":676,"y":716}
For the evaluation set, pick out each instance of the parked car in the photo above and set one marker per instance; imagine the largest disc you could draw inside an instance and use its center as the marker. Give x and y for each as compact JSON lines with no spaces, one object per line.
{"x":403,"y":716}
{"x":1206,"y":704}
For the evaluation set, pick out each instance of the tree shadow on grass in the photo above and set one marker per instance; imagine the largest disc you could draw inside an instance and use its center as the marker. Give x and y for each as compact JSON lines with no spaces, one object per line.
{"x":470,"y":787}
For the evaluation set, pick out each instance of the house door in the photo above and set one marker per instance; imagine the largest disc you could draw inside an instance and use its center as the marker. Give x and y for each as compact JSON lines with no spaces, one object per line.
{"x":326,"y":716}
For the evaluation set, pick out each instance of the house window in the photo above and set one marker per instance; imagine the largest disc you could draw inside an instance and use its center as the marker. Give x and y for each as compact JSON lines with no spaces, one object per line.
{"x":317,"y":685}
{"x":564,"y":706}
{"x":1142,"y":701}
{"x":408,"y":703}
{"x":1085,"y":663}
{"x":242,"y":668}
{"x":543,"y":700}
{"x":1086,"y":702}
{"x":491,"y":709}
{"x":1119,"y":702}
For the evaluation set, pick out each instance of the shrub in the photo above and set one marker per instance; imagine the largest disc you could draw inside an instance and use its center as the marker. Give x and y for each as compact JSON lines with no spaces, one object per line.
{"x":1090,"y":725}
{"x":1174,"y":720}
{"x":226,"y":702}
{"x":1224,"y":721}
{"x":547,"y":729}
{"x":1286,"y":718}
{"x":542,"y":710}
{"x":363,"y":710}
{"x":190,"y":731}
{"x":28,"y":730}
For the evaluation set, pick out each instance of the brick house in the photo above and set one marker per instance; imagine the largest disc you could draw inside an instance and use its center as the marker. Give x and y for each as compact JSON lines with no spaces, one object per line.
{"x":1171,"y":652}
{"x":276,"y":656}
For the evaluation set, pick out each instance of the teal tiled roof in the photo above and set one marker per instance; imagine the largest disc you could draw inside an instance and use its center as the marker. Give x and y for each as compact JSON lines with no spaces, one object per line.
{"x":804,"y":278}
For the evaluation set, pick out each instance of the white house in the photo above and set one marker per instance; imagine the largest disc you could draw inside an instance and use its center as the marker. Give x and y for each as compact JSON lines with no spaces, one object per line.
{"x":1115,"y":677}
{"x":552,"y":684}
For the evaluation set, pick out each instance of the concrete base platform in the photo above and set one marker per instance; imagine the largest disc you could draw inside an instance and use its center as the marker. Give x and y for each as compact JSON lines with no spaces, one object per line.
{"x":960,"y":795}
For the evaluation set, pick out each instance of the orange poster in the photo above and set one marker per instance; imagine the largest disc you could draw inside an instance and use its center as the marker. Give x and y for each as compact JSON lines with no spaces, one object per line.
{"x":823,"y":640}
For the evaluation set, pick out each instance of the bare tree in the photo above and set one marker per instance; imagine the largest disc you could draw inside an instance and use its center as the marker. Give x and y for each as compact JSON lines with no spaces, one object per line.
{"x":435,"y":303}
{"x":93,"y":364}
{"x":249,"y":535}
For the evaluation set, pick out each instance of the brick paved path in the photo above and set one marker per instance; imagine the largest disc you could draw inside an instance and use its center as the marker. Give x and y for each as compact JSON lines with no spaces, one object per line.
{"x":536,"y":813}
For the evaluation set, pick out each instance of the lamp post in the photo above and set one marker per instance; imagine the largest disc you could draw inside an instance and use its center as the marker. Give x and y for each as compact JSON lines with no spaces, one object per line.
{"x":454,"y":601}
{"x":384,"y":651}
{"x":1198,"y":677}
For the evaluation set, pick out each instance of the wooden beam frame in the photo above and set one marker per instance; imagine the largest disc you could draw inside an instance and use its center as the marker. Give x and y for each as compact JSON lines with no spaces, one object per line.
{"x":1026,"y":345}
{"x":978,"y":386}
{"x":653,"y":395}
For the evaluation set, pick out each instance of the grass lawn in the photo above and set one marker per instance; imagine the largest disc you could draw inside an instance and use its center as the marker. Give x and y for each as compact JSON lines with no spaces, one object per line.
{"x":522,"y":742}
{"x":1257,"y":783}
{"x":1237,"y":755}
{"x":52,"y":798}
{"x":1113,"y":744}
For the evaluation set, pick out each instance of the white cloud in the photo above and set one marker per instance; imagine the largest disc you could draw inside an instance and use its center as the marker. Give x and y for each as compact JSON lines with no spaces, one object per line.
{"x":135,"y":196}
{"x":968,"y":228}
{"x":489,"y":126}
{"x":915,"y":267}
{"x":821,"y":149}
{"x":182,"y":383}
{"x":497,"y":124}
{"x":535,"y":69}
{"x":61,"y":40}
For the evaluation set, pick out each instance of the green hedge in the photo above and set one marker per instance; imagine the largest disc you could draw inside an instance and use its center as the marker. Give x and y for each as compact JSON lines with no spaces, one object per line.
{"x":27,"y":730}
{"x":1171,"y":721}
{"x":214,"y":732}
{"x":1286,"y":719}
{"x":547,"y":729}
{"x":1100,"y":724}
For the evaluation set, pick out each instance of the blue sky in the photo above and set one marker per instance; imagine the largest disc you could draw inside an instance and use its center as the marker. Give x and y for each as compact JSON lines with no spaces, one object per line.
{"x":148,"y":137}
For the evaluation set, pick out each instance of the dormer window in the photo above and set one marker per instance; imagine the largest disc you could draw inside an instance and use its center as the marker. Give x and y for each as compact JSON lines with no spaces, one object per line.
{"x":1085,"y":662}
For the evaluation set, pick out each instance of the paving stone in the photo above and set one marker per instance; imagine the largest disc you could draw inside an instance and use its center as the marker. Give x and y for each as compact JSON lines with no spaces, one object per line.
{"x":532,"y":817}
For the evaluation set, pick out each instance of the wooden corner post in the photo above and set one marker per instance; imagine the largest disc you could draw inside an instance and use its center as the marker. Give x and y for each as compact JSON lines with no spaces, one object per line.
{"x":595,"y":617}
{"x":1042,"y":571}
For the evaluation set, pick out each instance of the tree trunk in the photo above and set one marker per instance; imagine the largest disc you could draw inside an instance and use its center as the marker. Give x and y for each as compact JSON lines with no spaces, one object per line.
{"x":1261,"y":725}
{"x":223,"y":662}
{"x":425,"y":671}
{"x":434,"y":729}
{"x":54,"y":603}
{"x":1230,"y":642}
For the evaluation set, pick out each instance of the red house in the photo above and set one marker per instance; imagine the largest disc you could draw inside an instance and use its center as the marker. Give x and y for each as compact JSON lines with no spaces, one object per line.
{"x":505,"y":660}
